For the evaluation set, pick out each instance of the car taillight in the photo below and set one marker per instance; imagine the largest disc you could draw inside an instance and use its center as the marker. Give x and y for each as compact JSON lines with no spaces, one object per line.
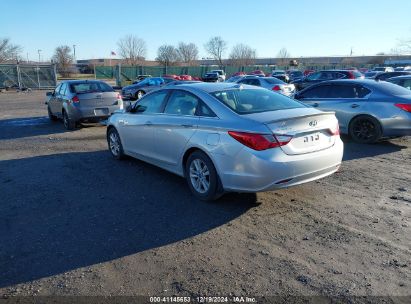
{"x":335,"y":131}
{"x":276,"y":88}
{"x":404,"y":106}
{"x":351,"y":75}
{"x":260,"y":142}
{"x":75,"y":99}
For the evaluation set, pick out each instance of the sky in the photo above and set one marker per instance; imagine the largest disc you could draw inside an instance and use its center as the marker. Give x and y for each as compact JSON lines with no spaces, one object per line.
{"x":303,"y":27}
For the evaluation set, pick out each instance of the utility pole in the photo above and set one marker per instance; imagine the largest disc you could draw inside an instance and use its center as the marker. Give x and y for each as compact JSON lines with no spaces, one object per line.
{"x":38,"y":51}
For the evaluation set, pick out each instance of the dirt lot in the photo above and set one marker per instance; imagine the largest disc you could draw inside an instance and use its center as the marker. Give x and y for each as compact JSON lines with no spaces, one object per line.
{"x":73,"y":221}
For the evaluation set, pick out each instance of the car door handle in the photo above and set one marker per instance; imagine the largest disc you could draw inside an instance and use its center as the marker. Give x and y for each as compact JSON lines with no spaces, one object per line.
{"x":315,"y":104}
{"x":354,"y":105}
{"x":123,"y":121}
{"x":187,"y":126}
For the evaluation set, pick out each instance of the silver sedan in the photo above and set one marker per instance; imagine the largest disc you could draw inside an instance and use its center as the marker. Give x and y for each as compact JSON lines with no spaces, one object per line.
{"x":367,"y":110}
{"x":228,"y":137}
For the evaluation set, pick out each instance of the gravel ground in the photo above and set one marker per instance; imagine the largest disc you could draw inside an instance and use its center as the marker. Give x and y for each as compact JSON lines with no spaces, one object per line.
{"x":73,"y":221}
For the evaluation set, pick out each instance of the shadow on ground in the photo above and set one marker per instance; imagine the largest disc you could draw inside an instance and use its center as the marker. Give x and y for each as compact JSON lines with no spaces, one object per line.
{"x":65,"y":211}
{"x":353,"y":150}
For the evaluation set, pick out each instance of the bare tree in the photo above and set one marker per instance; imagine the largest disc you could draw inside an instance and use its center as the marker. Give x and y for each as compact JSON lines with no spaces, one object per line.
{"x":9,"y":51}
{"x":283,"y":56}
{"x":132,"y":49}
{"x":64,"y":60}
{"x":216,"y":47}
{"x":242,"y":55}
{"x":188,"y":52}
{"x":167,"y":55}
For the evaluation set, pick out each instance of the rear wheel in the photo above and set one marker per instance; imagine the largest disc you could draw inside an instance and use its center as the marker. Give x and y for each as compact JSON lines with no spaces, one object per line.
{"x":51,"y":116}
{"x":202,"y":177}
{"x":69,"y":124}
{"x":365,"y":129}
{"x":114,"y":144}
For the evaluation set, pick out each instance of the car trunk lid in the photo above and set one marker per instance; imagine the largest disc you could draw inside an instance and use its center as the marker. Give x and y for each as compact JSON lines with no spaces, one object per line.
{"x":310,"y":130}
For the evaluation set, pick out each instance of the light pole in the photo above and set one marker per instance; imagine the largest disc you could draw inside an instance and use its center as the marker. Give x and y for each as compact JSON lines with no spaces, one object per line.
{"x":38,"y":51}
{"x":74,"y":51}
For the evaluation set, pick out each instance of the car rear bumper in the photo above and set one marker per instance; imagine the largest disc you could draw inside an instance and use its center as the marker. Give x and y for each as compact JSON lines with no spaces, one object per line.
{"x":398,"y":126}
{"x":92,"y":114}
{"x":252,"y":171}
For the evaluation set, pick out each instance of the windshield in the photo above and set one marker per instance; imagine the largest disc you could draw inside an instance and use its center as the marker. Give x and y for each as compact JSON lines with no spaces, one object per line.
{"x":248,"y":101}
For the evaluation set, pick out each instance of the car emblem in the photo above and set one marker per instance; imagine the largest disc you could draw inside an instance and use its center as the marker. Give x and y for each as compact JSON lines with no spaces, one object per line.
{"x":313,"y":123}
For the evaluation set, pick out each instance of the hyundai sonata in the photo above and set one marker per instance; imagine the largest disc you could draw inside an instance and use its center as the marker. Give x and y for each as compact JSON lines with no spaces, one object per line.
{"x":228,"y":137}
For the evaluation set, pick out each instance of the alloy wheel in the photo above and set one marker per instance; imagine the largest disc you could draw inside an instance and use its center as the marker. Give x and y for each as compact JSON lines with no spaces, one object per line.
{"x":199,"y":176}
{"x":114,"y":144}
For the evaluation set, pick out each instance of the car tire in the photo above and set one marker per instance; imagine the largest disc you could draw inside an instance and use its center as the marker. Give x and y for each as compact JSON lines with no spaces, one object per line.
{"x":50,"y":114}
{"x":69,"y":124}
{"x":139,"y":94}
{"x":365,"y":129}
{"x":114,"y":144}
{"x":202,"y":177}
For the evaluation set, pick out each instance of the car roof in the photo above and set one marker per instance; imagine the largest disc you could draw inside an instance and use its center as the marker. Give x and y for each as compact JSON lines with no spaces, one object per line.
{"x":402,"y":77}
{"x":214,"y":86}
{"x":81,"y":81}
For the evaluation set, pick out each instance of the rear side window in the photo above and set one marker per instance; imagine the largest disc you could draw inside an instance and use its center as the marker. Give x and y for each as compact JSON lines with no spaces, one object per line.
{"x":248,"y":101}
{"x":152,"y":103}
{"x":182,"y":103}
{"x":90,"y":87}
{"x":407,"y":84}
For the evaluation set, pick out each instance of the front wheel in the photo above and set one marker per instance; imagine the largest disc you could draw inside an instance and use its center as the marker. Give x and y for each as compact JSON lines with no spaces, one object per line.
{"x":114,"y":144}
{"x":365,"y":129}
{"x":202,"y":177}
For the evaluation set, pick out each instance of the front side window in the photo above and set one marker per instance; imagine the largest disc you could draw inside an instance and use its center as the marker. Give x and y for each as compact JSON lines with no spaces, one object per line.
{"x":314,"y":76}
{"x":63,"y":89}
{"x":248,"y":101}
{"x":151,"y":104}
{"x":407,"y":84}
{"x":182,"y":103}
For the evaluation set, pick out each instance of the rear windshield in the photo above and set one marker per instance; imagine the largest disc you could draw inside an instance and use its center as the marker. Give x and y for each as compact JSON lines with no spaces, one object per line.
{"x":273,"y":80}
{"x":393,"y":89}
{"x":90,"y":87}
{"x":248,"y":101}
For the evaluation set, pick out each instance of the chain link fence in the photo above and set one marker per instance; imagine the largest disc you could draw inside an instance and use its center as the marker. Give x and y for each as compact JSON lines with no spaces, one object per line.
{"x":24,"y":76}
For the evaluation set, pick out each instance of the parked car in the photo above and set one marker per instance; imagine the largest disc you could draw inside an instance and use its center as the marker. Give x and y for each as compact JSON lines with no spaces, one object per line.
{"x":211,"y":77}
{"x":259,"y":73}
{"x":321,"y":76}
{"x":294,"y":75}
{"x":387,"y":75}
{"x":270,"y":83}
{"x":280,"y":74}
{"x":137,"y":90}
{"x":77,"y":101}
{"x":404,"y":68}
{"x":367,"y":110}
{"x":383,"y":69}
{"x":140,"y":78}
{"x":235,"y":78}
{"x":225,"y":137}
{"x":404,"y":81}
{"x":372,"y":74}
{"x":221,"y":74}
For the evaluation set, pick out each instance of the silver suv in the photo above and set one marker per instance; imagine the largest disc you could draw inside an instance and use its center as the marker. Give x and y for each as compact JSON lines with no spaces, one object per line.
{"x":78,"y":101}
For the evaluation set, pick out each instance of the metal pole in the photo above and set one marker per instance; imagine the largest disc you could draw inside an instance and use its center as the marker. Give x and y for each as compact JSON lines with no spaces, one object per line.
{"x":55,"y":74}
{"x":74,"y":49}
{"x":18,"y":75}
{"x":38,"y":76}
{"x":38,"y":51}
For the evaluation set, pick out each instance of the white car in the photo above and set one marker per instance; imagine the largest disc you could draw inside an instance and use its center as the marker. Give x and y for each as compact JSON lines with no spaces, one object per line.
{"x":221,"y":75}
